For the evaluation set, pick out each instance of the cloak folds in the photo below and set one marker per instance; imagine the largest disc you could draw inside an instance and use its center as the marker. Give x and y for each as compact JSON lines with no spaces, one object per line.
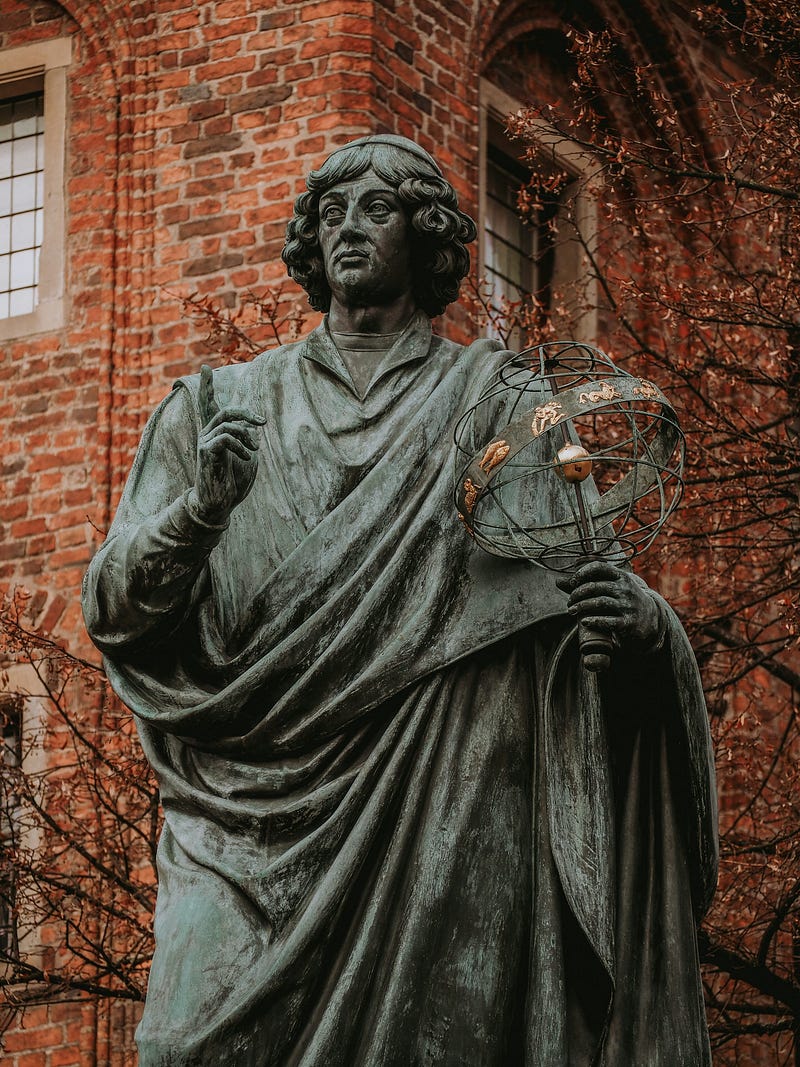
{"x":402,"y":825}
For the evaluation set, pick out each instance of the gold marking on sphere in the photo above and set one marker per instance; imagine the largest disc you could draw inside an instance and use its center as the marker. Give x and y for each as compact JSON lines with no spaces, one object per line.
{"x":575,"y":464}
{"x":471,"y":491}
{"x":647,"y":391}
{"x":606,"y":392}
{"x":494,"y":454}
{"x":545,"y":416}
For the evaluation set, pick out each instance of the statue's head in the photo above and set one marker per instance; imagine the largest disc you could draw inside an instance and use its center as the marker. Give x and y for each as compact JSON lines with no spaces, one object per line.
{"x":438,"y":231}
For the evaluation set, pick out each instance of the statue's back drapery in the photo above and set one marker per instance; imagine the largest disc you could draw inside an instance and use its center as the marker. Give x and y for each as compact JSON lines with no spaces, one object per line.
{"x":402,"y":824}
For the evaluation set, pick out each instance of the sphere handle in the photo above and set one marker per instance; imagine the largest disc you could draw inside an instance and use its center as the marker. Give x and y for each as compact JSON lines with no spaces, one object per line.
{"x":596,"y":648}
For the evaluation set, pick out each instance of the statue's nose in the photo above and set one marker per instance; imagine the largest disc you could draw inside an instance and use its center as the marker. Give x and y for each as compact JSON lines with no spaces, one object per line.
{"x":352,"y":227}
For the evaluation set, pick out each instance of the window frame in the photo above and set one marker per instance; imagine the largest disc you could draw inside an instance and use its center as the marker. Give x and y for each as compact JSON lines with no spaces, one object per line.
{"x":496,"y":104}
{"x":48,"y":60}
{"x":525,"y":240}
{"x":23,"y":687}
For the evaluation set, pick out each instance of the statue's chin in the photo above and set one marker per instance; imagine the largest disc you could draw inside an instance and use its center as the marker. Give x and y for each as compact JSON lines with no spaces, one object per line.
{"x":364,"y":293}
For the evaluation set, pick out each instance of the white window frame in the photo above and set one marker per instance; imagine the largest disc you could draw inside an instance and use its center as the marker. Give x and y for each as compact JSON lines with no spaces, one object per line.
{"x":50,"y":60}
{"x":498,"y":105}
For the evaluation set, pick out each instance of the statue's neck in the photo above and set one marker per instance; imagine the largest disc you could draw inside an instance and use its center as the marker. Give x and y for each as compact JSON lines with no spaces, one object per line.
{"x":386,"y":318}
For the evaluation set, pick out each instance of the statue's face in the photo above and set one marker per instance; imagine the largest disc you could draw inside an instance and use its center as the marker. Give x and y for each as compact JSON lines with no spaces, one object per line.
{"x":364,"y":237}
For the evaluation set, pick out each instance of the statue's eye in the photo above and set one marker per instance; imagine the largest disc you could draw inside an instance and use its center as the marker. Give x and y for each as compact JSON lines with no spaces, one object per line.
{"x":379,"y":209}
{"x":333,"y":214}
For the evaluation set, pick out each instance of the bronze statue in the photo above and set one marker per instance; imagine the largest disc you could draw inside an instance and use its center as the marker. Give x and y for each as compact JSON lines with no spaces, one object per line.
{"x":403,"y":826}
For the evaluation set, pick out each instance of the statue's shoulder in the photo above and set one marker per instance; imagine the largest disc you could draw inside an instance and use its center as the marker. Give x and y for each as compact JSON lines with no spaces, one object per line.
{"x":484,"y":350}
{"x":480,"y":344}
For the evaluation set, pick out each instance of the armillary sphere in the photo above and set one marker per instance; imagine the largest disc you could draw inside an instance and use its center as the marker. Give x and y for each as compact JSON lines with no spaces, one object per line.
{"x":566,"y":458}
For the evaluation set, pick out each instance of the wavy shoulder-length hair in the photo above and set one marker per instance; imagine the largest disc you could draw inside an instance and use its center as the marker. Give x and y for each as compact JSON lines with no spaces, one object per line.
{"x":439,"y":231}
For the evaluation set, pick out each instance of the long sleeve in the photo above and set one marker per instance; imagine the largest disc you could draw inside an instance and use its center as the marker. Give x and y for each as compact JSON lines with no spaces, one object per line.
{"x":144,"y":579}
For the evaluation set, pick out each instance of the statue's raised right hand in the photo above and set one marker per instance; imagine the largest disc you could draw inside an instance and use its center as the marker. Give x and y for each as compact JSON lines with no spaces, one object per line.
{"x":227,"y":456}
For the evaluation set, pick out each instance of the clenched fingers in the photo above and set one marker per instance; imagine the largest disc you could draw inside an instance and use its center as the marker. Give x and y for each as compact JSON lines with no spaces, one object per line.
{"x":231,"y":442}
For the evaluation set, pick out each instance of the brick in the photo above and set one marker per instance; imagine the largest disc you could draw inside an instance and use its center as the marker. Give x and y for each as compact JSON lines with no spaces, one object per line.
{"x":207,"y":187}
{"x":235,"y":65}
{"x":214,"y":224}
{"x":265,"y":76}
{"x":216,"y":145}
{"x":224,"y":49}
{"x":335,"y":44}
{"x":191,"y":57}
{"x":204,"y":265}
{"x":177,"y":213}
{"x":208,"y":167}
{"x":217,"y":127}
{"x":236,"y":28}
{"x":231,"y":9}
{"x":195,"y":92}
{"x":329,"y":9}
{"x":205,"y":109}
{"x":188,"y":132}
{"x":274,"y":19}
{"x":260,"y":98}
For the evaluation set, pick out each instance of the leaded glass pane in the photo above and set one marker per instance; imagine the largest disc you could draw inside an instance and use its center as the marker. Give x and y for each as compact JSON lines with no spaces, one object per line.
{"x":23,"y":193}
{"x":22,"y":264}
{"x":24,"y":155}
{"x":23,"y":230}
{"x":21,"y":201}
{"x":25,"y":114}
{"x":22,"y":301}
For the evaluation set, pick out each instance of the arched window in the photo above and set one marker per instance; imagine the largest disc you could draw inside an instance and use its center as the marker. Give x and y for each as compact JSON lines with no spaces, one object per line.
{"x":540,"y":262}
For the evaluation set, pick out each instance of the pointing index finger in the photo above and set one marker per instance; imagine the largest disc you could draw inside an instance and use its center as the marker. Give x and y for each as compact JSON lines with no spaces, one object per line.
{"x":208,"y":404}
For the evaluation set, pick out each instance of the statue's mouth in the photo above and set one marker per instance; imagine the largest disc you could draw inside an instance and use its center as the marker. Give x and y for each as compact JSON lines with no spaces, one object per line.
{"x":351,"y":254}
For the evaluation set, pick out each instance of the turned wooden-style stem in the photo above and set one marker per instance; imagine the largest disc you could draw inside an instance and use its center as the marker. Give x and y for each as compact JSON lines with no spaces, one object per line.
{"x":595,"y":646}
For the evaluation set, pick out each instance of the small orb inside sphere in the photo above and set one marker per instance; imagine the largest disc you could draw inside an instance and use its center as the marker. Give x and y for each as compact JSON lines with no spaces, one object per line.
{"x":574,"y":463}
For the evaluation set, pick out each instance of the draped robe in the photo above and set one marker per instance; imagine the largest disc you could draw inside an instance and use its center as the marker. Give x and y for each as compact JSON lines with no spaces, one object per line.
{"x":402,"y":825}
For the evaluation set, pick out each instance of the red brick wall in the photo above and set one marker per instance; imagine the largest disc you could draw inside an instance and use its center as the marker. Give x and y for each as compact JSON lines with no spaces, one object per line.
{"x":70,"y":1034}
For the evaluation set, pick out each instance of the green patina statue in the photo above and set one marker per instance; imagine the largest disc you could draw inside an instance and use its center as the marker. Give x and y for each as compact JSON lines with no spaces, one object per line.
{"x":403,"y":825}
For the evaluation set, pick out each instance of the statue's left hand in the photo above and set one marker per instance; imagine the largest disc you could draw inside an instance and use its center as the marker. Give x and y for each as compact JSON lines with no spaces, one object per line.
{"x":612,"y":601}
